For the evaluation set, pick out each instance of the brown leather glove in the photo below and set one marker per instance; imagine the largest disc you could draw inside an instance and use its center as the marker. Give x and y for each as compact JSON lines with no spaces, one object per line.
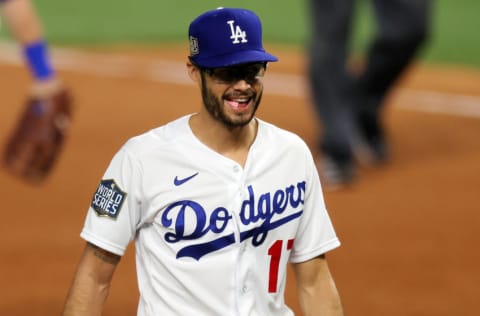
{"x":37,"y":140}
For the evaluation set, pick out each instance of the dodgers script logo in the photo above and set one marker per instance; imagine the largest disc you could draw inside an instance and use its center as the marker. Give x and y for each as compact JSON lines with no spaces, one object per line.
{"x":237,"y":33}
{"x":108,"y":199}
{"x":266,"y":210}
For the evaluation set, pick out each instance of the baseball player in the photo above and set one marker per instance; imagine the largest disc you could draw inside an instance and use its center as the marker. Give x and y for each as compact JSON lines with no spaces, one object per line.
{"x":217,"y":202}
{"x":35,"y":143}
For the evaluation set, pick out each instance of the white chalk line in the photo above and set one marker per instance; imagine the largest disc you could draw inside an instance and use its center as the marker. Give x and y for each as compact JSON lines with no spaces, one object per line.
{"x":280,"y":84}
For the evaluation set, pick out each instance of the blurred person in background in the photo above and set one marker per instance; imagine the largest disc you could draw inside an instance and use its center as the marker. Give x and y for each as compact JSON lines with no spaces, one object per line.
{"x":35,"y":143}
{"x":349,"y":103}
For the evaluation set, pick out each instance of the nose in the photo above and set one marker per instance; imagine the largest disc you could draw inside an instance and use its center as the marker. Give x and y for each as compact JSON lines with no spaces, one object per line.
{"x":241,"y":84}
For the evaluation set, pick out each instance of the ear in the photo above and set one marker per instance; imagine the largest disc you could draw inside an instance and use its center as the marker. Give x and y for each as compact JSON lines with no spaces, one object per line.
{"x":193,"y":72}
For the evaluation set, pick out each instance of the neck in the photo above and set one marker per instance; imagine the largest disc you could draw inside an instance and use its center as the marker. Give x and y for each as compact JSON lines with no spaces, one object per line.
{"x":231,"y":142}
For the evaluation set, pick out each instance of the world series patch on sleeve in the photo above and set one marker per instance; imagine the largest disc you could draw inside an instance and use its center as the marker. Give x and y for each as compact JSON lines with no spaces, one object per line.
{"x":108,"y":199}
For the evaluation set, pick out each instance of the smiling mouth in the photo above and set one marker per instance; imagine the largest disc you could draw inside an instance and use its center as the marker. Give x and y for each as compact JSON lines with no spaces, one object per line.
{"x":238,"y":103}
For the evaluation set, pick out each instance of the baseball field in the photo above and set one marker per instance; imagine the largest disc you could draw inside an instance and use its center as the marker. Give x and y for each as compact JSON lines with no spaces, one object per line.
{"x":409,"y":230}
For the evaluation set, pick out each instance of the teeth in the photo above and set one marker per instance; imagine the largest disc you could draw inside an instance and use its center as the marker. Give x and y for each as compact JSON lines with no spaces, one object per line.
{"x":241,"y":100}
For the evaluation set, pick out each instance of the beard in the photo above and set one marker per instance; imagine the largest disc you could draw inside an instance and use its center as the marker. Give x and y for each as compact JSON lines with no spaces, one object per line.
{"x":215,"y":107}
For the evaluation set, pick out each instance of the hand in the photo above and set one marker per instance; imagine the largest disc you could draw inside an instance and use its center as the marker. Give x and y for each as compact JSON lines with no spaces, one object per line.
{"x":37,"y":140}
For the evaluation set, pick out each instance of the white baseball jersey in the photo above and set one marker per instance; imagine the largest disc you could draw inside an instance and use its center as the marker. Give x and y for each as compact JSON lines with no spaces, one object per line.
{"x":211,"y":237}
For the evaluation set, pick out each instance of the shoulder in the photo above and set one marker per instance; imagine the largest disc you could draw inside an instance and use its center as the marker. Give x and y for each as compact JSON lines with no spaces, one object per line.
{"x":157,"y":139}
{"x":280,"y":137}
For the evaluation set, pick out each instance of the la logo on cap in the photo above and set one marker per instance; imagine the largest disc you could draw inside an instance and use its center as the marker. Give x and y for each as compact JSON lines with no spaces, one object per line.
{"x":237,"y":33}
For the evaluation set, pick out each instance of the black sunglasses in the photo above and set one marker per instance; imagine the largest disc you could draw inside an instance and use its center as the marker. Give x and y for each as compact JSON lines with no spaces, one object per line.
{"x":250,"y":72}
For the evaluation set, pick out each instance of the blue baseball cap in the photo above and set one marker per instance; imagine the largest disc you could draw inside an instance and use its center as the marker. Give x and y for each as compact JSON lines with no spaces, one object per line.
{"x":226,"y":37}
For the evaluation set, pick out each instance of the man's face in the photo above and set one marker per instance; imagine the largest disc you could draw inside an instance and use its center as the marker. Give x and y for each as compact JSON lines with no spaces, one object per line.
{"x":232,"y":95}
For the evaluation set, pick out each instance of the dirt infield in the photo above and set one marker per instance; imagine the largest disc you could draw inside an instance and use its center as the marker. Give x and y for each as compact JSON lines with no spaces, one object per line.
{"x":409,"y":230}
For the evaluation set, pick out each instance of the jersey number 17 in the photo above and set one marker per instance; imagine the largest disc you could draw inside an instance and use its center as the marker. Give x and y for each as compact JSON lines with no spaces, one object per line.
{"x":275,"y":253}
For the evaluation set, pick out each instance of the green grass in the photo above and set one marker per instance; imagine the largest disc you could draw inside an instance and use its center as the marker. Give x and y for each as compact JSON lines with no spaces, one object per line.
{"x":454,"y":40}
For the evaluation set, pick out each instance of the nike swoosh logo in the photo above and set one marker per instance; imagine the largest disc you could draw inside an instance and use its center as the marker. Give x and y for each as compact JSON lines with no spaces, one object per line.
{"x":178,"y":181}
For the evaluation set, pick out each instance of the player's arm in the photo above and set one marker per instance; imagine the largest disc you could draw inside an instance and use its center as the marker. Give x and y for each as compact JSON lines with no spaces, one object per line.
{"x":91,"y":284}
{"x":22,"y":20}
{"x":316,"y":289}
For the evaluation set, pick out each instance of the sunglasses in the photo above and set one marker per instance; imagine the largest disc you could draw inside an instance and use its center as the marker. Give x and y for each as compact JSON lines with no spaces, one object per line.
{"x":249,"y":72}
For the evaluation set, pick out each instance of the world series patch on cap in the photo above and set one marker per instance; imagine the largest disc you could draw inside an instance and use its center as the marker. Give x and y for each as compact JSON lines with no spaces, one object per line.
{"x":225,"y":37}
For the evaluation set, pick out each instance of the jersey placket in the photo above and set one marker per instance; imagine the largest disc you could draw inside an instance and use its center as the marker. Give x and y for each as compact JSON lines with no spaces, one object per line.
{"x":244,"y":296}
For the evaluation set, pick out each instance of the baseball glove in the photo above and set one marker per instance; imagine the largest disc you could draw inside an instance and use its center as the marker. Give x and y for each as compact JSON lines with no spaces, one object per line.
{"x":37,"y":140}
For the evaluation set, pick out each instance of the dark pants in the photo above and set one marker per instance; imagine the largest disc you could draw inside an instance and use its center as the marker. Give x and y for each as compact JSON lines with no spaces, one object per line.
{"x":348,"y":104}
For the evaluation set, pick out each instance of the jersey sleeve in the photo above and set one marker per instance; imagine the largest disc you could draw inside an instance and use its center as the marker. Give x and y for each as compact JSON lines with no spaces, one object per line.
{"x":316,"y":234}
{"x":115,"y":209}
